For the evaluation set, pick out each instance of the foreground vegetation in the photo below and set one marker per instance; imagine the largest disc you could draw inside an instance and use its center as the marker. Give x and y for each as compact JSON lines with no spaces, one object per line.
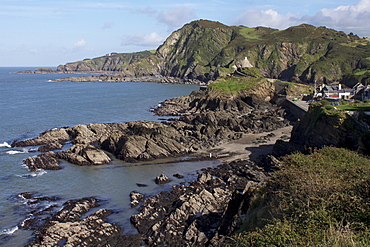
{"x":355,"y":106}
{"x":321,"y":199}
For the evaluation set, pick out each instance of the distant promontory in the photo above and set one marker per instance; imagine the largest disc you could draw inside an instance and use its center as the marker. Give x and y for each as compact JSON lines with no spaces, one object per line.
{"x":203,"y":51}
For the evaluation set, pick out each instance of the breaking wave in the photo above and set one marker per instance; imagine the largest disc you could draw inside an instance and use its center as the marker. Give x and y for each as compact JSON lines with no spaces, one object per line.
{"x":9,"y":231}
{"x":5,"y":144}
{"x":12,"y":152}
{"x":37,"y":173}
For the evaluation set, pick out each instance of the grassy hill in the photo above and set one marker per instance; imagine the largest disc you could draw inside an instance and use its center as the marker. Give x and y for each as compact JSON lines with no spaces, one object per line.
{"x":206,"y":50}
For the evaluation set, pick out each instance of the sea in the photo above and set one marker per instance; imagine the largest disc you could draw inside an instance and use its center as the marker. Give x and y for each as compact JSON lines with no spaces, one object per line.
{"x":33,"y":103}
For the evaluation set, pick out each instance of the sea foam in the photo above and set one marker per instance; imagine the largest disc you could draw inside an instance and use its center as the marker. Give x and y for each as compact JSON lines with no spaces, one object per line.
{"x":9,"y":231}
{"x":15,"y":152}
{"x":5,"y":144}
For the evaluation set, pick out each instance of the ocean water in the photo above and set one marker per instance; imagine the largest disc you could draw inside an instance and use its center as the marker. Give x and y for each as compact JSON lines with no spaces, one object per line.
{"x":32,"y":103}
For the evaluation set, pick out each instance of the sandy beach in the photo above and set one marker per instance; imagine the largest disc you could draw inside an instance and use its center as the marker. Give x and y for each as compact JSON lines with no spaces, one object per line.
{"x":250,"y":146}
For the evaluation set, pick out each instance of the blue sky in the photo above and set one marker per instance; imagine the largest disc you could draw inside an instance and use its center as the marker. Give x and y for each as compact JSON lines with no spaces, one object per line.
{"x":49,"y":33}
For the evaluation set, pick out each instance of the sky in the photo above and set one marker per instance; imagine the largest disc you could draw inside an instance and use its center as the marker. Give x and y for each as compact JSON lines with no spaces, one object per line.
{"x":47,"y":33}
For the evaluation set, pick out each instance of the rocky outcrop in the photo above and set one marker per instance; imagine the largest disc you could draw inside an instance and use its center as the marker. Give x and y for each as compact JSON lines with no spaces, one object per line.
{"x":126,"y":78}
{"x":83,"y":154}
{"x":136,"y":198}
{"x":198,"y":214}
{"x":145,"y":140}
{"x":324,"y":125}
{"x":79,"y":134}
{"x":206,"y":120}
{"x":162,"y":179}
{"x":46,"y":161}
{"x":68,"y":228}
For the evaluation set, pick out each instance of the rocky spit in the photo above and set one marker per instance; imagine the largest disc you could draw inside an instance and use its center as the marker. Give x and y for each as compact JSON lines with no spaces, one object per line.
{"x":202,"y":213}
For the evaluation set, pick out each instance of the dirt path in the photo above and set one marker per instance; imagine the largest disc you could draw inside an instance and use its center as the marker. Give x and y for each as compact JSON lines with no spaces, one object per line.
{"x":250,"y":146}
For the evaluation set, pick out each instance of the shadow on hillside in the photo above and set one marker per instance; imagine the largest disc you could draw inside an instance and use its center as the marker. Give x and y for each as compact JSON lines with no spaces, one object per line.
{"x":257,"y":153}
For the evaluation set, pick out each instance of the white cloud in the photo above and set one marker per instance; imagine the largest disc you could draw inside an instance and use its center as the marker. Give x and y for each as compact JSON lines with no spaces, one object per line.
{"x":268,"y":18}
{"x":349,"y":18}
{"x":80,"y":43}
{"x":175,"y":18}
{"x":140,"y":39}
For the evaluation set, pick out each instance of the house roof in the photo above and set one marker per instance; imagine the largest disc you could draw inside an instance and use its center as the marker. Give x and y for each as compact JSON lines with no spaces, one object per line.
{"x":331,"y":89}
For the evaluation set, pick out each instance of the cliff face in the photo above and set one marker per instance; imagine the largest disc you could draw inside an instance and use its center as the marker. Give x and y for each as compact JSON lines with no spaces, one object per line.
{"x":326,"y":126}
{"x":206,"y":50}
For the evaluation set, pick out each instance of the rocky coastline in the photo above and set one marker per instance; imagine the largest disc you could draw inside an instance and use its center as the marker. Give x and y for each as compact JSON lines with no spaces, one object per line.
{"x":102,"y":76}
{"x":204,"y":212}
{"x":124,"y":78}
{"x":201,"y":213}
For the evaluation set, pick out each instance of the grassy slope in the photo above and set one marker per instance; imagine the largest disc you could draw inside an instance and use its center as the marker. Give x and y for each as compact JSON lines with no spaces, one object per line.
{"x":207,"y":50}
{"x":233,"y":85}
{"x":321,"y":199}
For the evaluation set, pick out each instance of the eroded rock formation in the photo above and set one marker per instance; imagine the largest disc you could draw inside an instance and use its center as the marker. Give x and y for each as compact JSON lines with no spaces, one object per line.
{"x":69,"y":228}
{"x":201,"y":213}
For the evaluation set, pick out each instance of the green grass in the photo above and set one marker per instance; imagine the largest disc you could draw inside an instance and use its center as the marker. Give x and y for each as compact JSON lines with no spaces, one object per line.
{"x":251,"y":34}
{"x":232,"y":85}
{"x":354,"y":108}
{"x":321,"y":199}
{"x":361,"y":72}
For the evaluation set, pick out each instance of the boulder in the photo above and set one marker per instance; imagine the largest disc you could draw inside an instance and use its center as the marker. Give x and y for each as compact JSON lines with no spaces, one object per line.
{"x":46,"y":161}
{"x":83,"y":154}
{"x":136,"y":198}
{"x":162,"y":179}
{"x":178,"y":176}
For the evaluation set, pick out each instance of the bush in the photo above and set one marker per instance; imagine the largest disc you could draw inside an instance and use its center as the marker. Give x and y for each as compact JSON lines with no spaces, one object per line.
{"x":321,"y":199}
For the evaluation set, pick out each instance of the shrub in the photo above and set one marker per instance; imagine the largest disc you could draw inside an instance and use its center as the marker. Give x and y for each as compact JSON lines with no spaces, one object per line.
{"x":321,"y":199}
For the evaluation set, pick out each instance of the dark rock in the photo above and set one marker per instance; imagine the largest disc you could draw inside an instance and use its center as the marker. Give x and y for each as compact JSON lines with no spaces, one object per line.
{"x":270,"y":163}
{"x":195,"y":214}
{"x":31,"y":199}
{"x":46,"y":161}
{"x":50,"y":146}
{"x":321,"y":127}
{"x":36,"y":207}
{"x":69,"y":228}
{"x":141,"y":185}
{"x":178,"y":176}
{"x":136,"y":198}
{"x":162,"y":179}
{"x":145,"y":141}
